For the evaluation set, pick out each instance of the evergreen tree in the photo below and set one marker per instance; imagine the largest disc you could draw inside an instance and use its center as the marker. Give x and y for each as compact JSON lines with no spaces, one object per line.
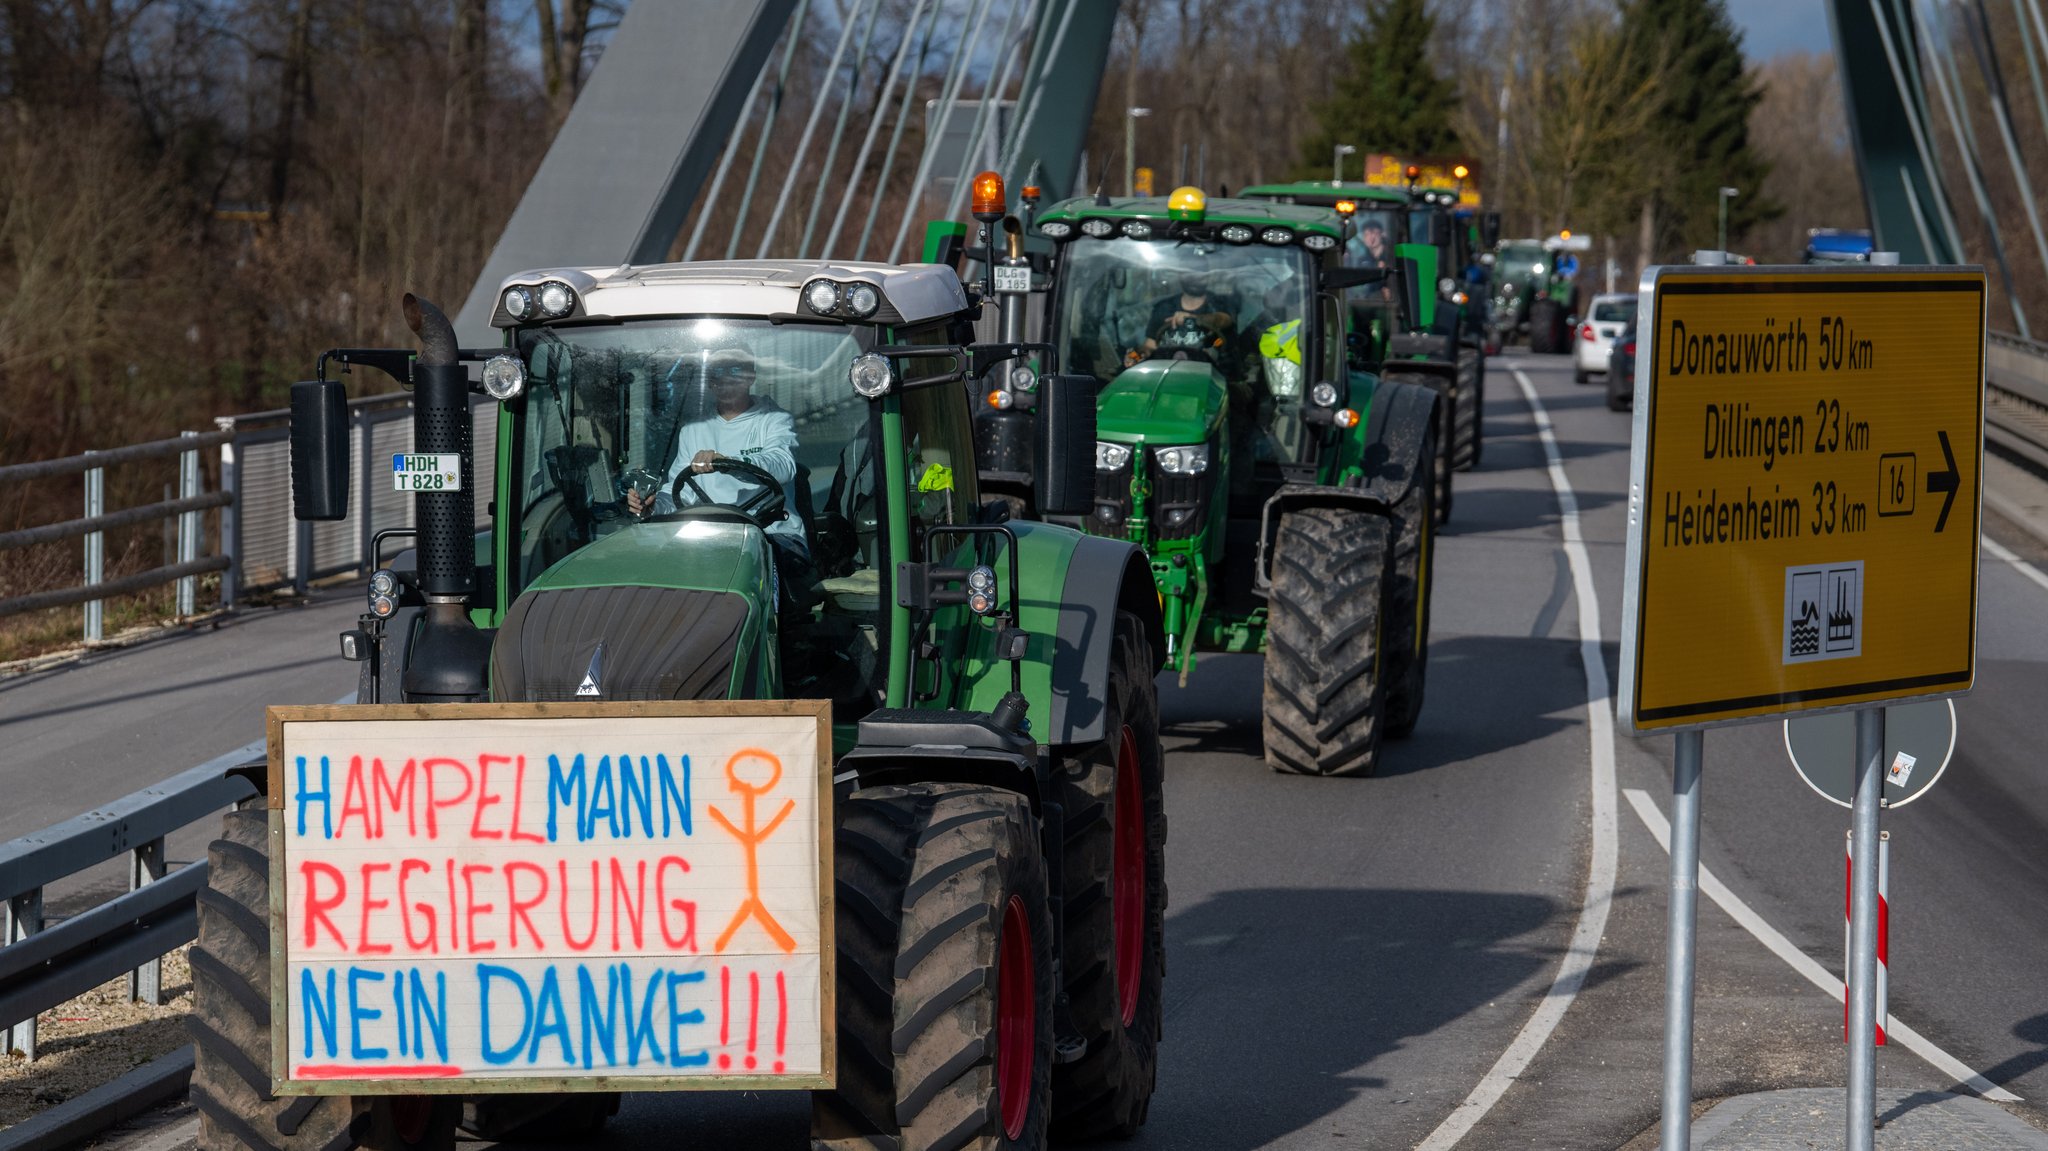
{"x":1698,"y":138}
{"x":1389,"y":97}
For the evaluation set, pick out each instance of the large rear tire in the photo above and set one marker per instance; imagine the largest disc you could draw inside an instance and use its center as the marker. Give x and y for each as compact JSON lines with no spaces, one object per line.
{"x":230,"y":1021}
{"x":1115,"y":905}
{"x":1408,"y":599}
{"x":944,"y":974}
{"x":1324,"y":704}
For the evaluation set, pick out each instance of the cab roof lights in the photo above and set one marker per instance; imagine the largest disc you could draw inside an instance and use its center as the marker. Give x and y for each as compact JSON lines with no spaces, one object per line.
{"x":1187,"y":203}
{"x":988,"y":197}
{"x":1346,"y":207}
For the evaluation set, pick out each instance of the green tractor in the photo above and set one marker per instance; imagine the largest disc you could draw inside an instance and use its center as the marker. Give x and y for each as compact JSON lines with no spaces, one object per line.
{"x":1439,"y":343}
{"x":1535,"y":292}
{"x":1285,"y":499}
{"x":998,"y":816}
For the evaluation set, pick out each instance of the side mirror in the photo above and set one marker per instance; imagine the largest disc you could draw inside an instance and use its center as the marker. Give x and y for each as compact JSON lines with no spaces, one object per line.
{"x":1489,"y":229}
{"x":1065,"y":472}
{"x":319,"y":450}
{"x":1411,"y":292}
{"x":1338,"y":279}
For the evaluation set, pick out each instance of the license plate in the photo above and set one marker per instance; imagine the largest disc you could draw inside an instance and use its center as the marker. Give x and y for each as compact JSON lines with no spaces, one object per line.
{"x":426,"y":473}
{"x":1013,"y":280}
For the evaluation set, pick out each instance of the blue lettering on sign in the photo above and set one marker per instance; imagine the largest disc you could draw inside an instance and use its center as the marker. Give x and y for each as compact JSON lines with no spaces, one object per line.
{"x":679,"y":1019}
{"x":549,"y":1003}
{"x":485,"y":974}
{"x":618,"y":797}
{"x":320,"y":1010}
{"x":357,"y":1013}
{"x":305,"y":795}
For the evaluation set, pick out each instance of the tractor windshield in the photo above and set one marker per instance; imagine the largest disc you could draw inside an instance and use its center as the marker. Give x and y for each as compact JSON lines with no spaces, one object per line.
{"x":607,"y":407}
{"x":1124,"y":300}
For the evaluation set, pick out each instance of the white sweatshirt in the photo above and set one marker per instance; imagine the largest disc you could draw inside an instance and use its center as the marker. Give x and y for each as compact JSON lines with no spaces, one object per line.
{"x":765,"y":436}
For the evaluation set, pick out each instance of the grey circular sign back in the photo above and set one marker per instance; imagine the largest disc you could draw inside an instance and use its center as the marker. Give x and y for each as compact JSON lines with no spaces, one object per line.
{"x":1823,"y":749}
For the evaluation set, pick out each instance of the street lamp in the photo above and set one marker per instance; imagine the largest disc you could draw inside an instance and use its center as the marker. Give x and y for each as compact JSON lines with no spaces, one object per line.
{"x":1131,"y":149}
{"x":1337,"y":162}
{"x":1727,"y":194}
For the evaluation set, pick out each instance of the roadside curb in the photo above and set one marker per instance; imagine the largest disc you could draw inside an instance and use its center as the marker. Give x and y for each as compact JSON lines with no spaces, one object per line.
{"x":75,"y":1120}
{"x":1813,"y":1117}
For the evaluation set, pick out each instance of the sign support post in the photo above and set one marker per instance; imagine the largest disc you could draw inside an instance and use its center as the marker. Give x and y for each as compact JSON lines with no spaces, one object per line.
{"x":1862,"y":1110}
{"x":1680,"y":940}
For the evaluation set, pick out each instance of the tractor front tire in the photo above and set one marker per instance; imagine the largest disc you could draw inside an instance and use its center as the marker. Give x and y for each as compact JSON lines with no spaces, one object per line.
{"x":1463,"y":445}
{"x":1546,"y":328}
{"x":1324,"y":704}
{"x":1451,"y":400}
{"x":231,"y":1021}
{"x":1115,"y":903}
{"x":1408,"y":598}
{"x":944,"y":974}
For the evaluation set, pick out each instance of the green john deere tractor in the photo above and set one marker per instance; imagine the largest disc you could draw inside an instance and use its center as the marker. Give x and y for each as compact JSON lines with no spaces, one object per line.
{"x":1440,"y":343}
{"x":1285,"y":498}
{"x":999,"y":822}
{"x":1534,"y":292}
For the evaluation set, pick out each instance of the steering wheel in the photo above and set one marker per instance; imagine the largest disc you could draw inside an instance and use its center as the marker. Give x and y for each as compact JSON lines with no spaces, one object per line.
{"x":1186,"y":340}
{"x":763,"y":507}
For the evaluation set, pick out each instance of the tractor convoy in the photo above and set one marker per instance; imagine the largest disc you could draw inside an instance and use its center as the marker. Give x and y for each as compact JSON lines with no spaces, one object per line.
{"x":717,"y":486}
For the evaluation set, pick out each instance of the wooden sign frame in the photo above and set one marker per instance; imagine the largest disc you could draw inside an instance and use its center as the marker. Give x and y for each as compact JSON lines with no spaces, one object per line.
{"x":278,"y":717}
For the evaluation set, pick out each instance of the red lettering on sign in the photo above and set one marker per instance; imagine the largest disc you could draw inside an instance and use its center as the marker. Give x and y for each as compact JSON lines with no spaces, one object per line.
{"x":316,"y":907}
{"x":472,"y":909}
{"x":634,"y":906}
{"x":363,"y":944}
{"x":518,"y":908}
{"x":434,"y":801}
{"x":519,"y":805}
{"x":454,"y":937}
{"x":398,"y":797}
{"x":355,"y":800}
{"x":569,"y":936}
{"x":430,"y":943}
{"x":687,"y":941}
{"x":484,"y":798}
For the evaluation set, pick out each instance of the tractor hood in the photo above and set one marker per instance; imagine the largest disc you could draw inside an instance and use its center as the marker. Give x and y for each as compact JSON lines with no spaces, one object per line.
{"x":1162,"y":402}
{"x":650,"y":612}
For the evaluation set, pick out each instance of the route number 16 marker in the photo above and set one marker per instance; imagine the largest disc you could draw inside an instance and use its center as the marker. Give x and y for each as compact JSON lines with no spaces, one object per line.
{"x":1805,"y":485}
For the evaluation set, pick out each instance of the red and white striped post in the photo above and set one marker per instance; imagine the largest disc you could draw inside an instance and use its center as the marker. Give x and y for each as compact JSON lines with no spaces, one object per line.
{"x":1884,"y":917}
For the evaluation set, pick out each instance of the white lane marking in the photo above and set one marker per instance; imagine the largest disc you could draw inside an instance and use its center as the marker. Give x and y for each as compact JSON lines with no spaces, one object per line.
{"x":1740,"y":912}
{"x":1585,"y":941}
{"x":171,"y":1137}
{"x":2026,"y":569}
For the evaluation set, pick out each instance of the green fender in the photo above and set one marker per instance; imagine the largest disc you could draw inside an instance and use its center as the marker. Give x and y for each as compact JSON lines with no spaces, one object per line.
{"x":1074,"y":586}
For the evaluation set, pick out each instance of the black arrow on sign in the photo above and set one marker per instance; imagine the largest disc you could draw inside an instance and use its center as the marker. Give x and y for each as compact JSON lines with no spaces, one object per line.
{"x":1947,"y":481}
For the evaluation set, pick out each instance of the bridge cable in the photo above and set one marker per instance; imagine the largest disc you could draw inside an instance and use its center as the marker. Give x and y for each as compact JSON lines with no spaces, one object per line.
{"x":1011,"y":154}
{"x":1987,"y":65}
{"x":725,"y":159}
{"x":824,"y":181}
{"x":1913,"y":96}
{"x":795,"y":34}
{"x":875,"y":118}
{"x":990,"y":110}
{"x":803,"y":143}
{"x":956,"y":76}
{"x":896,"y":135}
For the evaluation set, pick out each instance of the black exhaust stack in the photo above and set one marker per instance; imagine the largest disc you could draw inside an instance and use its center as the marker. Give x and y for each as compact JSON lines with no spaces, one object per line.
{"x":449,"y":661}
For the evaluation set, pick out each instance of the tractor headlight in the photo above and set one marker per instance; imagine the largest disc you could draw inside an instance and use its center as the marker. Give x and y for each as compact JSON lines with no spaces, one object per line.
{"x":869,"y":375}
{"x":1283,"y":377}
{"x":382,"y":606}
{"x":556,"y":299}
{"x":1056,"y":229}
{"x":821,"y":296}
{"x":1236,"y":234}
{"x":504,"y":377}
{"x":862,"y":300}
{"x":1111,"y":457}
{"x":1137,"y":229}
{"x":1097,"y":228}
{"x":1023,"y":379}
{"x":1277,"y":236}
{"x":1537,"y":267}
{"x":384,"y":582}
{"x":518,"y":303}
{"x":981,"y":578}
{"x":1323,"y":394}
{"x":1183,"y":460}
{"x":1317,"y":242}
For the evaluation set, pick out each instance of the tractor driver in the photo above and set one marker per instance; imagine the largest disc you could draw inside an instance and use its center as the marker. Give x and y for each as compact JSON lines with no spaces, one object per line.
{"x":1194,"y":305}
{"x":746,"y":427}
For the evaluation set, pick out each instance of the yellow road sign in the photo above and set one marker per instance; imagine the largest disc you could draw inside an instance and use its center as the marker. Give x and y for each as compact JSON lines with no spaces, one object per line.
{"x":1804,"y":515}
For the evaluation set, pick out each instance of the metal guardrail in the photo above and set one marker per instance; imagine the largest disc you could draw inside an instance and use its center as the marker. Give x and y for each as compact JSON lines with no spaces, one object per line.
{"x":44,"y":964}
{"x":2016,"y":399}
{"x":260,"y":546}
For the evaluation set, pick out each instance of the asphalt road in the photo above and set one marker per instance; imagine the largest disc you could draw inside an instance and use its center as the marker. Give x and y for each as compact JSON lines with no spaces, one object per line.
{"x":1348,"y":958}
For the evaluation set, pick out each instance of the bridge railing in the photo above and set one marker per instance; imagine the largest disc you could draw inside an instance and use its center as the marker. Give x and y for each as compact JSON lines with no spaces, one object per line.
{"x":2016,"y":400}
{"x":259,"y":545}
{"x":44,"y":963}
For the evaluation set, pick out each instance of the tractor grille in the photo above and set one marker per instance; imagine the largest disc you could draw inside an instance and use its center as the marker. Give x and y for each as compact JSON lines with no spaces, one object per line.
{"x":1180,"y":504}
{"x":1112,"y":501}
{"x":657,"y":644}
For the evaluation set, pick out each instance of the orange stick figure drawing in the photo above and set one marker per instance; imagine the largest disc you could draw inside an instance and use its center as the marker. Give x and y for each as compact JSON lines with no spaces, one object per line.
{"x":751,"y":839}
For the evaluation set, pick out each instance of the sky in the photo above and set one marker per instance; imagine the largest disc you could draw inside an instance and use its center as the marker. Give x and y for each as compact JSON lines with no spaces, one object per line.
{"x":1770,"y":27}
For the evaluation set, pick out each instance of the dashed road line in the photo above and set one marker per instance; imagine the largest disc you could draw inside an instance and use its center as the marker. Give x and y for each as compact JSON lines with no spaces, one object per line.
{"x":1660,"y":828}
{"x":2005,"y":553}
{"x":1600,"y":874}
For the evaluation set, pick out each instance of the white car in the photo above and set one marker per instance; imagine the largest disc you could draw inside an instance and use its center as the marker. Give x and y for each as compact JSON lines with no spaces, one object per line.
{"x":1593,"y":342}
